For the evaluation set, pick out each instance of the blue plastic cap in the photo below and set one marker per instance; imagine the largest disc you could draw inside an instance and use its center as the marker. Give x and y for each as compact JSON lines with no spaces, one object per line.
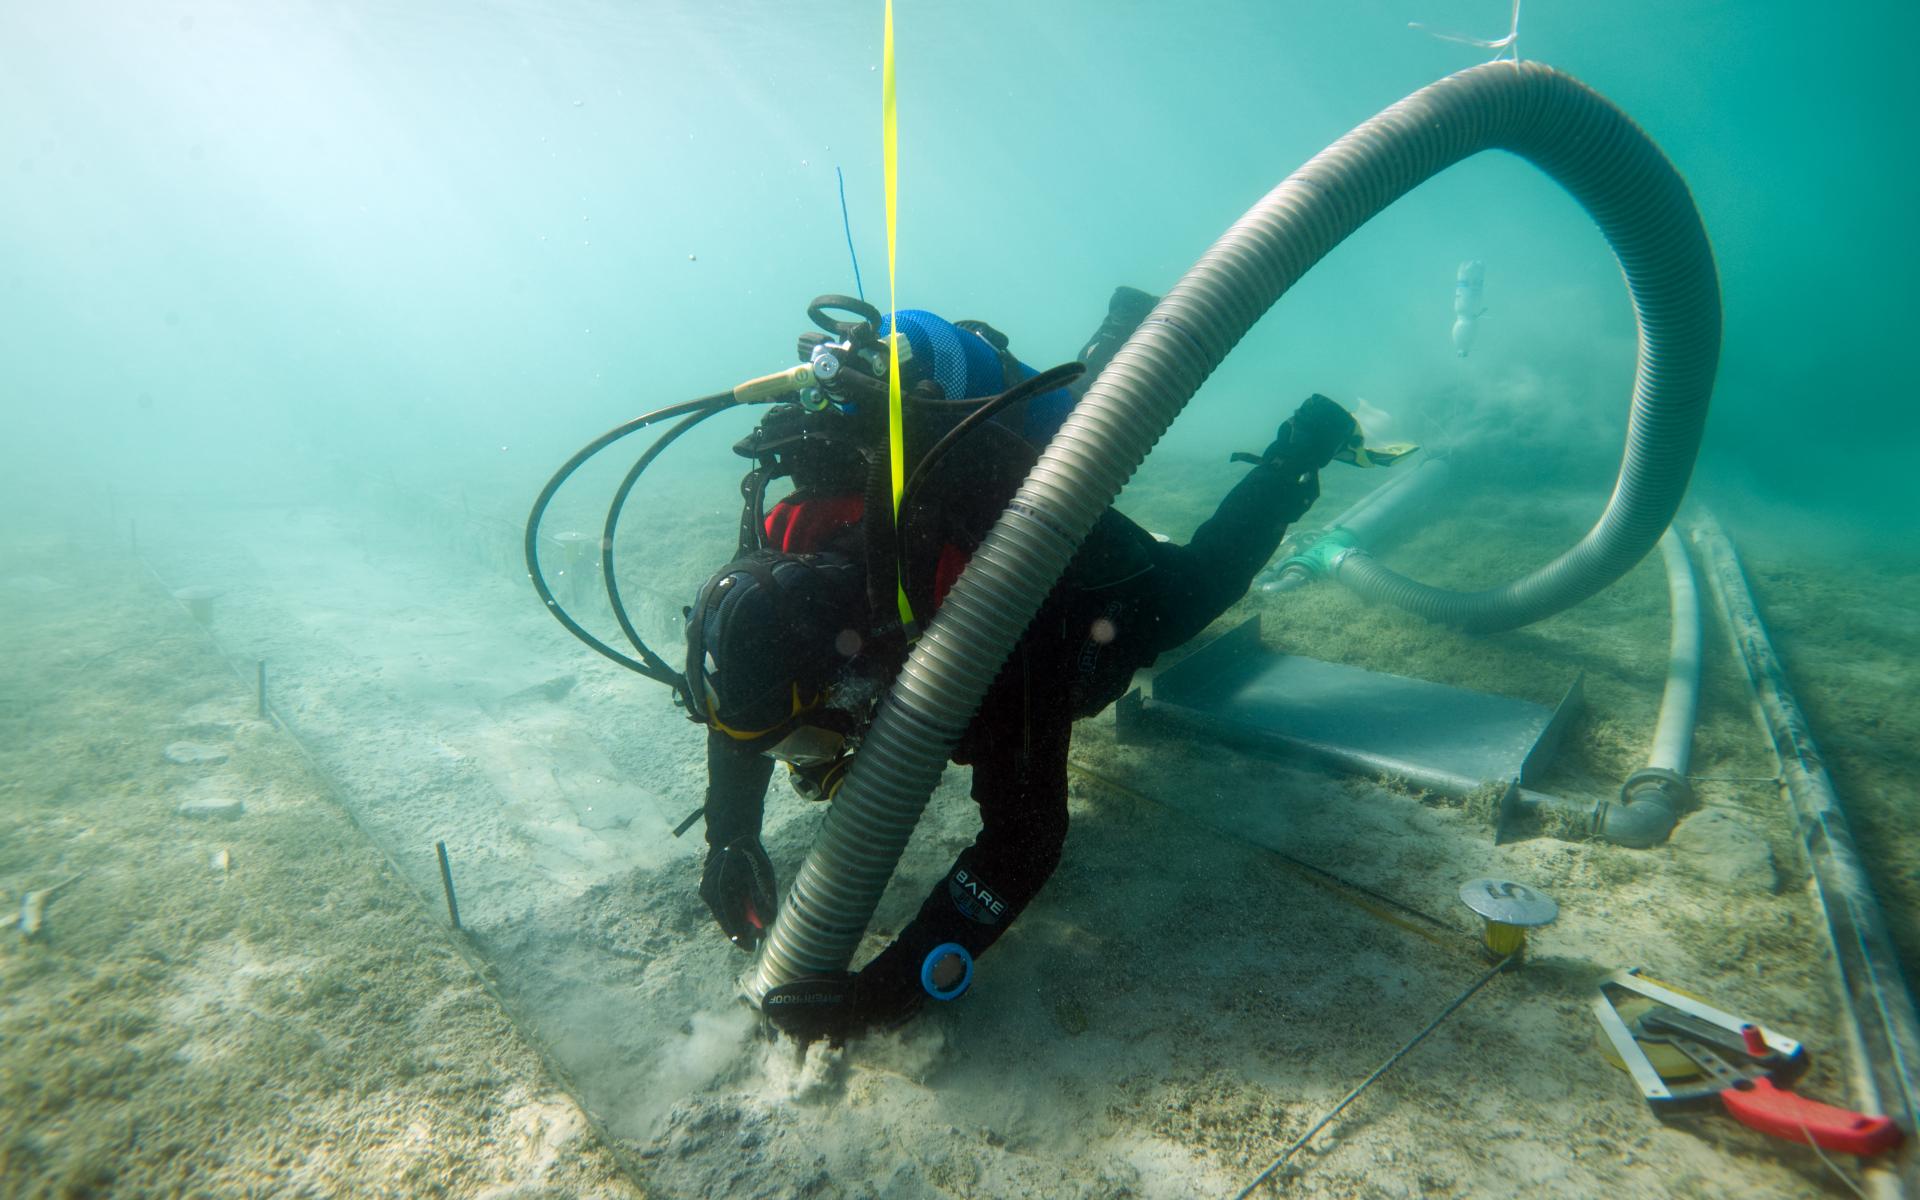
{"x":933,"y":957}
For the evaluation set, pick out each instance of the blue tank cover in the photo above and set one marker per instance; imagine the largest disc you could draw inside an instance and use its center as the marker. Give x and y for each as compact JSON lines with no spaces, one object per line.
{"x":966,"y":367}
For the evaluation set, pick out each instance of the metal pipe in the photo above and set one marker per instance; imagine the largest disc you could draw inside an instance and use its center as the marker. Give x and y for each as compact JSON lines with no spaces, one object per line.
{"x":1383,"y":517}
{"x":1573,"y":134}
{"x":1883,"y":1034}
{"x":1653,"y":797}
{"x":1356,"y":512}
{"x":1371,"y":518}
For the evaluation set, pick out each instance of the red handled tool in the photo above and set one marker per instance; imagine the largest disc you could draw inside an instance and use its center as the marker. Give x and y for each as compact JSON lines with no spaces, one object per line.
{"x":1741,"y":1066}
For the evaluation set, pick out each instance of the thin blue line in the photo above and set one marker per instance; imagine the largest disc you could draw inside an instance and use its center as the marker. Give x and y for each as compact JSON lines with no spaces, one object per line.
{"x":848,"y":226}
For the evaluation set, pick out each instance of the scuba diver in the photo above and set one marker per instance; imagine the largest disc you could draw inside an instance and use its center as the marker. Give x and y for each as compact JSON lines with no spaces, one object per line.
{"x":791,"y":646}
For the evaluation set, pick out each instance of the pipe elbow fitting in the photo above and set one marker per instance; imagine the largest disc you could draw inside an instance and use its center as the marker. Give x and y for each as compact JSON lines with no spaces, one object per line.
{"x":1650,"y":803}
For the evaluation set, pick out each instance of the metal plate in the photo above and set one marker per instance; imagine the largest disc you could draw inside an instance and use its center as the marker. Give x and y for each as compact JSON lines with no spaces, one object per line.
{"x":1444,"y":738}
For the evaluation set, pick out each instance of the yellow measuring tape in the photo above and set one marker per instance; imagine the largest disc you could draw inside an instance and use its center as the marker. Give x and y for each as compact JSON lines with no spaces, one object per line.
{"x":896,"y":433}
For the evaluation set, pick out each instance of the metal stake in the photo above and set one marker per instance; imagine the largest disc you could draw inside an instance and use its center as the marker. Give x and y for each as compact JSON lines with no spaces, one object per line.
{"x":446,"y":881}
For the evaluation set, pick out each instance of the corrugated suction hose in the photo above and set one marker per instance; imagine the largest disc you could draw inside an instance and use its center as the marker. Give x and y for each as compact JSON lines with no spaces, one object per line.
{"x":1570,"y":132}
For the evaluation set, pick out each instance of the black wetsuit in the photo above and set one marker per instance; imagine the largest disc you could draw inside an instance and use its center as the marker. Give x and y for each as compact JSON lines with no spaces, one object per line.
{"x":1125,"y":599}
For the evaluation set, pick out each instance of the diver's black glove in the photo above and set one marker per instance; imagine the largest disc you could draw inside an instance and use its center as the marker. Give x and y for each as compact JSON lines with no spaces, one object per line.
{"x":842,"y":1006}
{"x":1128,"y":307}
{"x":738,"y":887}
{"x":1308,"y":440}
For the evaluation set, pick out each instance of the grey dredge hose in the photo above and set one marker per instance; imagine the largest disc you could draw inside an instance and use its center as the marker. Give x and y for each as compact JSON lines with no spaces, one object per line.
{"x":1550,"y":119}
{"x":1644,"y":209}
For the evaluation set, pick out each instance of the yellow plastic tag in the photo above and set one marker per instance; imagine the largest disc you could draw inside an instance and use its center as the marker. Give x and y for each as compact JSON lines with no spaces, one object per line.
{"x":890,"y":157}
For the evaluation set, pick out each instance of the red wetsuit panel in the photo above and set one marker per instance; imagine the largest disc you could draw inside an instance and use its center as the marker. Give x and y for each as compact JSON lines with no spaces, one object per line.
{"x":953,"y":560}
{"x":803,"y":526}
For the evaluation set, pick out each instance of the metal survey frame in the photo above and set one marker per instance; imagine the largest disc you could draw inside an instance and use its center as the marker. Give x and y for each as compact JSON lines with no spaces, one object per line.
{"x":1747,"y":1071}
{"x":1640,"y":1066}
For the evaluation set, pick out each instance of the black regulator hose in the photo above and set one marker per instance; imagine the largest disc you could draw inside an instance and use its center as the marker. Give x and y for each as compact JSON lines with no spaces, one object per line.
{"x":690,"y":414}
{"x":1045,"y":381}
{"x":981,"y":413}
{"x":882,"y":549}
{"x":613,"y":520}
{"x":649,"y":664}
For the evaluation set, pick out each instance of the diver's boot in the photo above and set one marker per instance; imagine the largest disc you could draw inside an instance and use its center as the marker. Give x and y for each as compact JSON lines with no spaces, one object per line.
{"x":1128,"y":307}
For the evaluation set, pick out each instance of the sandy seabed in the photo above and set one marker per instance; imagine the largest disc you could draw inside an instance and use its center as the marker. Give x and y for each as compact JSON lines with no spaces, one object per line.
{"x":1189,"y":994}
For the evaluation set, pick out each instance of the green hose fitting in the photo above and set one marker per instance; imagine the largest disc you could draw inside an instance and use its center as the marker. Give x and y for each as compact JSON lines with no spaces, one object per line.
{"x":1319,"y":559}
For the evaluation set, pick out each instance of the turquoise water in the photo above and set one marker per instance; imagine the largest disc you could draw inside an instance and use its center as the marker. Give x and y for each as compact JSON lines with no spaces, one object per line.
{"x":444,"y":242}
{"x":452,"y":237}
